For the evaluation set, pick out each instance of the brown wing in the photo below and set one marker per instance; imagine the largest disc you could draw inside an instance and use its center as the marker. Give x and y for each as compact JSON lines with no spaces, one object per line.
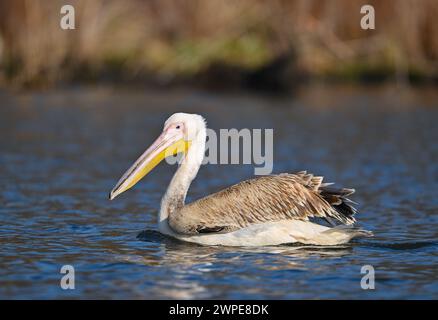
{"x":266,"y":198}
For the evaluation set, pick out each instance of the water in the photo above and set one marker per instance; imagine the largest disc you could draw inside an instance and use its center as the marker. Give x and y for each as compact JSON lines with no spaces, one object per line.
{"x":62,"y":152}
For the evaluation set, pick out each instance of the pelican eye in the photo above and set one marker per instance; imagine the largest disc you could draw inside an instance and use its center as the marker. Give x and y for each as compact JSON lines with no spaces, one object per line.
{"x":178,"y":126}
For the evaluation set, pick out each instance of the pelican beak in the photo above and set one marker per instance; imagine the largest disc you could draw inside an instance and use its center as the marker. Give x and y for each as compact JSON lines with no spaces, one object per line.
{"x":167,"y":144}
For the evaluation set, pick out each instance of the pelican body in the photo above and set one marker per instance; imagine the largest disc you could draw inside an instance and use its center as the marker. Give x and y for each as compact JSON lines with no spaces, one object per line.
{"x":266,"y":210}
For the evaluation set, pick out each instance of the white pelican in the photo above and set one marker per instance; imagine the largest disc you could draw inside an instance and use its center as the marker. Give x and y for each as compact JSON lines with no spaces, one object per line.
{"x":266,"y":210}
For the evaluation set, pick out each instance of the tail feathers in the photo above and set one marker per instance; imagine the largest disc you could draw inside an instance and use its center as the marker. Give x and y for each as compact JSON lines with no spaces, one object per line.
{"x":337,"y":198}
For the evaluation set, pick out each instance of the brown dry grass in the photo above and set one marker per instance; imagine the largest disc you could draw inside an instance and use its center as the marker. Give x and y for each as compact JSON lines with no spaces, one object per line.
{"x":167,"y":38}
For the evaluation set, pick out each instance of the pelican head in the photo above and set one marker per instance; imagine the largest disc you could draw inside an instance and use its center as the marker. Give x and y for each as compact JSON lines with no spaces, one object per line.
{"x":178,"y":133}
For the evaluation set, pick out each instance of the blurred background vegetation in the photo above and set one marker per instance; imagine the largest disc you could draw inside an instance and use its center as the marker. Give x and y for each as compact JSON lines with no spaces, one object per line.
{"x":246,"y":43}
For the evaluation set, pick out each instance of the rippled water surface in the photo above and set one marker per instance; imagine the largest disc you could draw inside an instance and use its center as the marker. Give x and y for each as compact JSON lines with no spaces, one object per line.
{"x":62,"y":152}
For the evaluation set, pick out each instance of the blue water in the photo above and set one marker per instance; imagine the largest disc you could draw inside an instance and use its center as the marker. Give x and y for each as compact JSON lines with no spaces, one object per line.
{"x":62,"y":152}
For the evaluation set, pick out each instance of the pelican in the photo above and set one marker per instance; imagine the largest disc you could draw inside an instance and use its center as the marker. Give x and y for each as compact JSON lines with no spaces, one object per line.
{"x":266,"y":210}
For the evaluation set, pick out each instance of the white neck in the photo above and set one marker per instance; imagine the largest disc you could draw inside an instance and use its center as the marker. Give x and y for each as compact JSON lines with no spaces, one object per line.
{"x":175,"y":196}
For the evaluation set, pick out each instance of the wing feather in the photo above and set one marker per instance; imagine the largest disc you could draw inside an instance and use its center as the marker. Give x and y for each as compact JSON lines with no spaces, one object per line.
{"x":264,"y":199}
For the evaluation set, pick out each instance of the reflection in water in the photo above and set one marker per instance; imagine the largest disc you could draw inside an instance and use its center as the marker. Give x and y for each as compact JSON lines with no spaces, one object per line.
{"x":62,"y":152}
{"x":184,"y":260}
{"x":181,"y":252}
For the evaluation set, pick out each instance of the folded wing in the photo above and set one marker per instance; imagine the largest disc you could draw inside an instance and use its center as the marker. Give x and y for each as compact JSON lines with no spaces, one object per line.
{"x":265,"y":199}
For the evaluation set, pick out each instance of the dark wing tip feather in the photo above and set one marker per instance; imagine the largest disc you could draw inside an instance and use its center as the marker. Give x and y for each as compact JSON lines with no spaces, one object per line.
{"x":337,"y":198}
